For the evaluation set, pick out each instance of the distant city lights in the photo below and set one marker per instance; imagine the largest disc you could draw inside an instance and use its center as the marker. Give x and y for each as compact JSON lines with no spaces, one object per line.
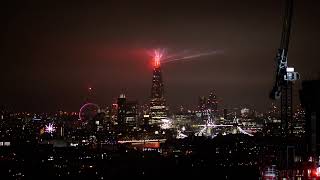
{"x":166,"y":124}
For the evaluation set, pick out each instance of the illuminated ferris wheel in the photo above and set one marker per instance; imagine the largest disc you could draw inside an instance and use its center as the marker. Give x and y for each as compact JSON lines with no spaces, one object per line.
{"x":88,"y":111}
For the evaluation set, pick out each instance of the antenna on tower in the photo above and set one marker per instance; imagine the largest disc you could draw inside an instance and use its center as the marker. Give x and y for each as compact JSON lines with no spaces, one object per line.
{"x":89,"y":95}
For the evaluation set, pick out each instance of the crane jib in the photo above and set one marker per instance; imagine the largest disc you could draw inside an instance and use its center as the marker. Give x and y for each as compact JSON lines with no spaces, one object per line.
{"x":287,"y":18}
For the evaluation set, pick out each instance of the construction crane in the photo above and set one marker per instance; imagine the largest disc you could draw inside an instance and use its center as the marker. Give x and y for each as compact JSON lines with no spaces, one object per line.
{"x":285,"y":76}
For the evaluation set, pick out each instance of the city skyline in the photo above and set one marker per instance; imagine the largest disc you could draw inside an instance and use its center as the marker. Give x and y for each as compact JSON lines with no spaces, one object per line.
{"x":56,"y":51}
{"x":142,"y":89}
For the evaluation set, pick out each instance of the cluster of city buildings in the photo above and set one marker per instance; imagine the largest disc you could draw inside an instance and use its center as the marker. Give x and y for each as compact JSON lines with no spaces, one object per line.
{"x":126,"y":119}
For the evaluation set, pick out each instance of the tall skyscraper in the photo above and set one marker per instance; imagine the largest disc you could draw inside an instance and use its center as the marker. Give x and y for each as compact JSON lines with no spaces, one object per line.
{"x":121,"y":116}
{"x":212,"y":104}
{"x":158,"y":108}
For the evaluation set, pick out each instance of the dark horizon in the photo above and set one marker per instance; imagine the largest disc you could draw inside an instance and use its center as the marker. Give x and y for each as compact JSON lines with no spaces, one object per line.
{"x":53,"y":51}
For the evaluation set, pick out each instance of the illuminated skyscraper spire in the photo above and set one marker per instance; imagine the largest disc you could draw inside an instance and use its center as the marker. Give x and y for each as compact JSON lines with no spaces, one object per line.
{"x":157,"y":57}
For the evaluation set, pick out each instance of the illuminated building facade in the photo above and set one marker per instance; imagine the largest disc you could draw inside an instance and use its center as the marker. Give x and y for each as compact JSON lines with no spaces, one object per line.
{"x":127,"y":115}
{"x":132,"y":114}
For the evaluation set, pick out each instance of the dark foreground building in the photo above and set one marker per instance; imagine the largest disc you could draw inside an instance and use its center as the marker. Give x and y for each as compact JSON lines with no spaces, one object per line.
{"x":310,"y":100}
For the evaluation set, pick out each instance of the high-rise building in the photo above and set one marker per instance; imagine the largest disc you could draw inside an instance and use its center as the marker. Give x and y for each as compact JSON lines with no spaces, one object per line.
{"x":132,"y":114}
{"x":158,"y":108}
{"x":127,"y":116}
{"x":208,"y":107}
{"x":114,"y":113}
{"x":202,"y":108}
{"x":121,"y":115}
{"x":212,"y":103}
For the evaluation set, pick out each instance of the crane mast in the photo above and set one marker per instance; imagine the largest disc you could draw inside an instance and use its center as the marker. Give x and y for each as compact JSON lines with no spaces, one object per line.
{"x":285,"y":76}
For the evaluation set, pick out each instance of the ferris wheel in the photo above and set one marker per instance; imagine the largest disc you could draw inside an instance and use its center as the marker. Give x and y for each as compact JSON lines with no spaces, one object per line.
{"x":88,"y":111}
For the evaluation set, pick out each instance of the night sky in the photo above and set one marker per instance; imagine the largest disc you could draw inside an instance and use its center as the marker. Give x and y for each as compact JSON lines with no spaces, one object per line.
{"x":52,"y":51}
